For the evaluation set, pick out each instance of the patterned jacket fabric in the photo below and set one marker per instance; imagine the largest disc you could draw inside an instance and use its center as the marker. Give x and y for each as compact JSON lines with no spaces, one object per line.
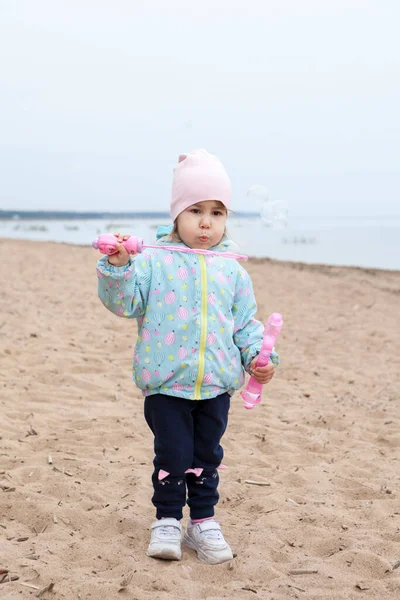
{"x":196,"y":327}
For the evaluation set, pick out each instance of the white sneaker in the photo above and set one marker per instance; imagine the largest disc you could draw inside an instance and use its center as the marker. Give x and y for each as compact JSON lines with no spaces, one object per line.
{"x":165,"y":542}
{"x":208,"y":541}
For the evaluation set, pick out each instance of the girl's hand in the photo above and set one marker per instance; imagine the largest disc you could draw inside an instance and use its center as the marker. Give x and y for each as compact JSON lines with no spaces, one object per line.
{"x":120,"y":258}
{"x":262,"y":374}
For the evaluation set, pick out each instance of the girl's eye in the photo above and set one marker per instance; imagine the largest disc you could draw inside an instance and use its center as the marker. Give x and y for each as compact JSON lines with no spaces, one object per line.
{"x":195,"y":211}
{"x":218,"y":213}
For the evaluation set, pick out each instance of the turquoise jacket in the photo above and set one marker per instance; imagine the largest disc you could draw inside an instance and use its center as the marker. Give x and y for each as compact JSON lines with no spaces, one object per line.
{"x":196,"y":327}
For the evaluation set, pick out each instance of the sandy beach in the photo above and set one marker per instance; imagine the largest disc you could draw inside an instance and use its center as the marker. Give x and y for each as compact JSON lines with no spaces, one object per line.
{"x":76,"y":454}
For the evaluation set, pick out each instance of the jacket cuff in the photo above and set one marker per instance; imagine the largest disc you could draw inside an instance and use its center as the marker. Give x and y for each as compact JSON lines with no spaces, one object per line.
{"x":255,"y":351}
{"x":252,"y":352}
{"x":108,"y":270}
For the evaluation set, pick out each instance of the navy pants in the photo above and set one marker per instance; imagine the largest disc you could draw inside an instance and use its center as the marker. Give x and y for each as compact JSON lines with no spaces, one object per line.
{"x":187,"y":435}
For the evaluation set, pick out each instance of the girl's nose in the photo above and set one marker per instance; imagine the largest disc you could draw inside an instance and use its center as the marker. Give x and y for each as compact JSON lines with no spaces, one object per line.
{"x":205,"y":222}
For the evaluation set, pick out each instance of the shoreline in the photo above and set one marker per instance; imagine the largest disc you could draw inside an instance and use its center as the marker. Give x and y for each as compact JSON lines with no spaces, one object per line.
{"x":253,"y":259}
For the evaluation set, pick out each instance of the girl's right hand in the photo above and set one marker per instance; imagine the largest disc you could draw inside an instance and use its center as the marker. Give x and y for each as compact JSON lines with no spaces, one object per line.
{"x":121,"y":257}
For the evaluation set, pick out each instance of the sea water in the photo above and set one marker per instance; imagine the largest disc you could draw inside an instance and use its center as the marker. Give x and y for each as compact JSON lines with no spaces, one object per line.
{"x":368,"y":242}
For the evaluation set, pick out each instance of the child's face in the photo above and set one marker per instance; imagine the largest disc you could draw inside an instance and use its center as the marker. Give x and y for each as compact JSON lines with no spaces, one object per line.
{"x":202,"y":225}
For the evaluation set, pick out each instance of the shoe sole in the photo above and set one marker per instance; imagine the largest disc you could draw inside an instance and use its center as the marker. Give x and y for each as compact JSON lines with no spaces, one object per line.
{"x":165,"y":553}
{"x":203,"y":556}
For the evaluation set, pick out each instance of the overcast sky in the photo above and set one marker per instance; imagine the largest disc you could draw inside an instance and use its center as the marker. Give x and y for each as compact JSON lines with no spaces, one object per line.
{"x":98,"y":98}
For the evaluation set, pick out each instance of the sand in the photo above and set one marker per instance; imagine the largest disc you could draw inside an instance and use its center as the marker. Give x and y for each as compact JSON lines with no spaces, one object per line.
{"x":75,"y":453}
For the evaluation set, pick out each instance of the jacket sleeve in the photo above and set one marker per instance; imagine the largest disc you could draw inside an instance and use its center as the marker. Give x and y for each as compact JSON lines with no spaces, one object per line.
{"x":124,"y":291}
{"x":248,"y":332}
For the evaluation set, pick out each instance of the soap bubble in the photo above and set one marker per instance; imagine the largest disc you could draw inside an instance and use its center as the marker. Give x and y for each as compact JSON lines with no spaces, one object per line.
{"x":273,"y":212}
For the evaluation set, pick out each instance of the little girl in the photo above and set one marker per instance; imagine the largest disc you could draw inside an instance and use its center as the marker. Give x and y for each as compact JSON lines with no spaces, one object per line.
{"x":196,"y":335}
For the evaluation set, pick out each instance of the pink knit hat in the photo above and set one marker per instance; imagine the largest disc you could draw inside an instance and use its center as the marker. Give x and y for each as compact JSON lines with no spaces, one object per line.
{"x":199,"y":176}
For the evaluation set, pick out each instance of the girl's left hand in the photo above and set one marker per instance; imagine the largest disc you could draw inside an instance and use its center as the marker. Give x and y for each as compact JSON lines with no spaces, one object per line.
{"x":262,"y":374}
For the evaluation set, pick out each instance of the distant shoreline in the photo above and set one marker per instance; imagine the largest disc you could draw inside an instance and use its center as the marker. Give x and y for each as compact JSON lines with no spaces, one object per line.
{"x":62,"y":215}
{"x":73,"y":215}
{"x":368,"y":243}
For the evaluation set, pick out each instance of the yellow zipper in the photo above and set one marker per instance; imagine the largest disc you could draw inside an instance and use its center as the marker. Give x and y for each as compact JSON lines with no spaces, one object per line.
{"x":203,"y":334}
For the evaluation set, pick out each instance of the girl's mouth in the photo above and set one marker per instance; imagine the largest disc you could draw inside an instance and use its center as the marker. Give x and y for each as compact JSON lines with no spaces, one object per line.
{"x":203,"y":238}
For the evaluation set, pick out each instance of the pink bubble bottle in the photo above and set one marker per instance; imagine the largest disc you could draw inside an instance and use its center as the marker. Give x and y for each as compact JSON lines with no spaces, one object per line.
{"x":107,"y":244}
{"x":252,"y":393}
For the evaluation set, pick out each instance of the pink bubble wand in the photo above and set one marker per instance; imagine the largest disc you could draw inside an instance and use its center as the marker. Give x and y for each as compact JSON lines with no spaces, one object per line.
{"x":107,"y":244}
{"x":252,"y":393}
